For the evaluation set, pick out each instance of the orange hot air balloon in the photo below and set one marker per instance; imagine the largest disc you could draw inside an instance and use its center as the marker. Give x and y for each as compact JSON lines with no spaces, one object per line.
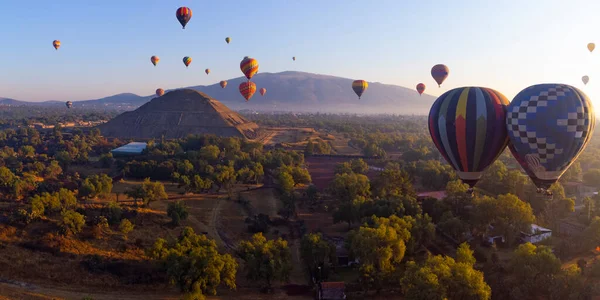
{"x":420,"y":88}
{"x":160,"y":92}
{"x":56,"y":44}
{"x":440,"y":73}
{"x":154,"y":59}
{"x":359,"y":87}
{"x":247,"y":89}
{"x":249,"y":67}
{"x":207,"y":71}
{"x":187,"y":61}
{"x":263,"y":91}
{"x":223,"y":83}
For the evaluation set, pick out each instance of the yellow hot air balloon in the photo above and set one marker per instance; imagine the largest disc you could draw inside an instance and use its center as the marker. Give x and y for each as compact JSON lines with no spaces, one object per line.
{"x":359,"y":87}
{"x":591,"y":46}
{"x":227,"y":39}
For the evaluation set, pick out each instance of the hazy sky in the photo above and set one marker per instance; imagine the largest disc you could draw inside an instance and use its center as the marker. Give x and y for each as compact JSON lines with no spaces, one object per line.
{"x":106,"y":44}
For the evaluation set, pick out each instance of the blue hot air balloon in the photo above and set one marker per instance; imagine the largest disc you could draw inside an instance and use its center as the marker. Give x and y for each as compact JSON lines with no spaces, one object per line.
{"x":467,"y":125}
{"x":549,"y":125}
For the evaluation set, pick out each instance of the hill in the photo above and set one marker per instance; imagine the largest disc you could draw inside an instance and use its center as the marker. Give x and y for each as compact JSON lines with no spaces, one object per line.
{"x":177,"y":114}
{"x":291,"y":91}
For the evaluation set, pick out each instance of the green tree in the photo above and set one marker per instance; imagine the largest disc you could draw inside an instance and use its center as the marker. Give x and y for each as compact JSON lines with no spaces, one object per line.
{"x":509,"y":215}
{"x":210,"y":153}
{"x":125,"y":227}
{"x":225,"y":178}
{"x":347,"y":187}
{"x":266,"y":260}
{"x":71,"y":222}
{"x":194,"y":264}
{"x":27,"y":151}
{"x":393,"y":183}
{"x":533,"y":270}
{"x":359,"y":166}
{"x":300,"y":176}
{"x":285,"y":182}
{"x":317,"y":253}
{"x":177,"y":211}
{"x":113,"y":213}
{"x":153,"y":191}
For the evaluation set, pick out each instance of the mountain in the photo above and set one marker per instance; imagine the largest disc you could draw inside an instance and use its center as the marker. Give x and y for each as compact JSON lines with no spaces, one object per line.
{"x":177,"y":114}
{"x":287,"y":91}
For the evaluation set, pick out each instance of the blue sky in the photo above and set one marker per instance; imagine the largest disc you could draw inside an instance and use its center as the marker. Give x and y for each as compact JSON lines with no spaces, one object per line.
{"x":106,"y":44}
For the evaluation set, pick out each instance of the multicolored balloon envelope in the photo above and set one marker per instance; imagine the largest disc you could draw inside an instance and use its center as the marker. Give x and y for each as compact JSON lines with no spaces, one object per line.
{"x":263,"y":91}
{"x":223,"y":83}
{"x":187,"y":61}
{"x":467,"y":125}
{"x":69,"y":104}
{"x":359,"y":87}
{"x":227,"y":40}
{"x":421,"y":88}
{"x":247,"y":89}
{"x":249,"y":67}
{"x":183,"y":15}
{"x":207,"y":71}
{"x":440,"y":73}
{"x":549,"y":125}
{"x":154,"y":59}
{"x":160,"y":92}
{"x":56,"y":44}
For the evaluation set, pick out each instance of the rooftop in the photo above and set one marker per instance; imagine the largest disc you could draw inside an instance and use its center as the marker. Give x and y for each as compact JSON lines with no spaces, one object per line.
{"x":131,"y":148}
{"x":433,"y":194}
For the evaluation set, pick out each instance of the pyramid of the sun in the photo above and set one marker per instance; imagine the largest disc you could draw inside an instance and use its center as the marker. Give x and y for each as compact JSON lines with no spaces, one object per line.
{"x":178,"y":114}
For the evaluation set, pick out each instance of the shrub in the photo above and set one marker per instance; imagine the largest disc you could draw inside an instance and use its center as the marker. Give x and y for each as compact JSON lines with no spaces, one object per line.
{"x":113,"y":213}
{"x":71,"y":222}
{"x":125,"y":227}
{"x":177,"y":211}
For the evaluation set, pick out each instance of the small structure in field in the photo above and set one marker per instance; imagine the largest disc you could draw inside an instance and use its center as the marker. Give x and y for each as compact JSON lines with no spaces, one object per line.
{"x":133,"y":148}
{"x":536,"y":234}
{"x":331,"y":291}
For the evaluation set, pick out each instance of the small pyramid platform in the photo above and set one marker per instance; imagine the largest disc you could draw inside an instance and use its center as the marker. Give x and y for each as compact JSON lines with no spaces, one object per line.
{"x":178,"y":114}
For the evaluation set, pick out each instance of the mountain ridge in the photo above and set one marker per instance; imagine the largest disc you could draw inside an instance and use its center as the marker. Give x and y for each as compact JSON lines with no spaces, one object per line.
{"x":286,"y":91}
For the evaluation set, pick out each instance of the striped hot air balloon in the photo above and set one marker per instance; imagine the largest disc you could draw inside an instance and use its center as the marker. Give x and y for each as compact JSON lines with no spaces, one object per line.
{"x":359,"y":87}
{"x":549,"y":125}
{"x":187,"y":61}
{"x":249,"y":67}
{"x":154,"y":59}
{"x":160,"y":92}
{"x":183,"y":15}
{"x":247,"y":89}
{"x":56,"y":44}
{"x":467,"y":125}
{"x":223,"y":83}
{"x":421,"y":88}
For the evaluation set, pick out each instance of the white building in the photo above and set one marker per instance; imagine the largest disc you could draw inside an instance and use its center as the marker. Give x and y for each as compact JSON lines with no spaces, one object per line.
{"x":536,"y":234}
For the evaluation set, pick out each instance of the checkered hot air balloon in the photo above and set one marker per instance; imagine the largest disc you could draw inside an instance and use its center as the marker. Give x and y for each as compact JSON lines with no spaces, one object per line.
{"x":549,"y":125}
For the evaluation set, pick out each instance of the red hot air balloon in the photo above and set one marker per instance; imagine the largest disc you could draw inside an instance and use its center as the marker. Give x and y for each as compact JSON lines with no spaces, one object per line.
{"x":160,"y":92}
{"x":249,"y":67}
{"x":183,"y":15}
{"x":263,"y":91}
{"x":223,"y":83}
{"x":154,"y":59}
{"x":247,"y":89}
{"x":440,"y":73}
{"x":420,"y":88}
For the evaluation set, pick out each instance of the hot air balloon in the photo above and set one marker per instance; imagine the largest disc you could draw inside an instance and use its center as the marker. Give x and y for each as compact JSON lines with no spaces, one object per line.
{"x":359,"y":87}
{"x":207,"y":71}
{"x":69,"y":104}
{"x":549,"y":125}
{"x":160,"y":92}
{"x":187,"y":61}
{"x":249,"y":67}
{"x":440,"y":73}
{"x":420,"y":88}
{"x":227,"y":39}
{"x":223,"y":83}
{"x":467,"y":126}
{"x":585,"y":79}
{"x":247,"y":89}
{"x":591,"y":46}
{"x":294,"y":58}
{"x":262,"y":91}
{"x":183,"y":15}
{"x":56,"y":44}
{"x":154,"y":59}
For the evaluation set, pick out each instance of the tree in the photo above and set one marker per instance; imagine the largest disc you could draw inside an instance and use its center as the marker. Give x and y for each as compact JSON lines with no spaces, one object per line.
{"x":312,"y":194}
{"x":359,"y":166}
{"x":533,"y":269}
{"x":225,"y":177}
{"x":393,"y":182}
{"x":210,"y":153}
{"x":509,"y":214}
{"x":125,"y":227}
{"x":441,"y":277}
{"x":27,"y":151}
{"x":591,"y":235}
{"x":71,"y":222}
{"x":592,"y":177}
{"x":317,"y":253}
{"x":285,"y":182}
{"x":309,"y":149}
{"x":153,"y":191}
{"x":464,"y":254}
{"x":194,"y":264}
{"x":177,"y":211}
{"x":346,"y":187}
{"x":135,"y":193}
{"x":266,"y":260}
{"x":300,"y":176}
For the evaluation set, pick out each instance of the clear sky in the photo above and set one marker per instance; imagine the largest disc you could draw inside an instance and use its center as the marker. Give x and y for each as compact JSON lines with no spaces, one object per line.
{"x":106,"y":44}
